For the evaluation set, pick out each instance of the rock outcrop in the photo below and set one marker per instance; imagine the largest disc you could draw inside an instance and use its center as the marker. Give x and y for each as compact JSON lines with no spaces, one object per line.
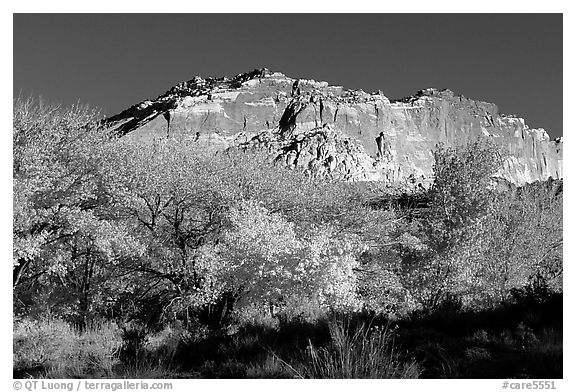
{"x":329,"y":130}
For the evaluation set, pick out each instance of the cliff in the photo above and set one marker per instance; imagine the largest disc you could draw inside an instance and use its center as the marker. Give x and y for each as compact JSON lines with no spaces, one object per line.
{"x":329,"y":130}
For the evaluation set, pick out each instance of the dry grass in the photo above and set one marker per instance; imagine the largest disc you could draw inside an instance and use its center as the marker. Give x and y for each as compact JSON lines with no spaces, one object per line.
{"x":54,"y":349}
{"x":360,"y":352}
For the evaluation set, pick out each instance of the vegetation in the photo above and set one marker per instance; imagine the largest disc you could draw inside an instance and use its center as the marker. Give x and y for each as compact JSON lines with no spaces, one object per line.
{"x":161,"y":259}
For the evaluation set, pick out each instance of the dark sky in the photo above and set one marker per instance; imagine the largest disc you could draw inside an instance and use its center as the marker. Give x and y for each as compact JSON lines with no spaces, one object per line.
{"x":113,"y":61}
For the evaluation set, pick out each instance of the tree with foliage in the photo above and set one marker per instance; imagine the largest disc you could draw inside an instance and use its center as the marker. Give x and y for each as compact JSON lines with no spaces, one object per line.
{"x":262,"y":259}
{"x":521,"y":242}
{"x":217,"y":228}
{"x":438,"y":268}
{"x":62,"y":231}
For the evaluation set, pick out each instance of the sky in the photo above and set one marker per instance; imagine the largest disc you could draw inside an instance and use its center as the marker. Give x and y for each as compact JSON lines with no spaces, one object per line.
{"x":112,"y":61}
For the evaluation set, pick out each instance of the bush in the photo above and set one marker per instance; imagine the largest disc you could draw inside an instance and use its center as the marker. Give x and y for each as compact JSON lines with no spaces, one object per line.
{"x":39,"y":344}
{"x":55,"y":349}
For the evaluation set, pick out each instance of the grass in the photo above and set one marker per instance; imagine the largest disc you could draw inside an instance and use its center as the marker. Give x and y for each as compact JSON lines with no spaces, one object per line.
{"x":515,"y":341}
{"x":54,"y":349}
{"x":360,"y":352}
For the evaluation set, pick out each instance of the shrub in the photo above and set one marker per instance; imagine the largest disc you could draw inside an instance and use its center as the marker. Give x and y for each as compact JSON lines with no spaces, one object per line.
{"x":39,"y":344}
{"x":62,"y":351}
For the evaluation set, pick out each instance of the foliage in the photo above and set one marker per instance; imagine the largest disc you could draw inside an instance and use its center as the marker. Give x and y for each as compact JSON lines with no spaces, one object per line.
{"x":461,"y":192}
{"x":437,"y":266}
{"x":476,"y":243}
{"x":62,"y":232}
{"x":213,"y":229}
{"x":192,"y":244}
{"x":522,"y":242}
{"x":261,"y":260}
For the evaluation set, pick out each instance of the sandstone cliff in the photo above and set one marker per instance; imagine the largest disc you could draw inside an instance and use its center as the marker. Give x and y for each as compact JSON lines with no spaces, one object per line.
{"x":329,"y":130}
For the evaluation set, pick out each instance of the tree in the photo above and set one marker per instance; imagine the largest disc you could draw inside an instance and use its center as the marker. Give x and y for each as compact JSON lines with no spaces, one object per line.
{"x":61,"y":227}
{"x":185,"y":206}
{"x":262,"y":259}
{"x":439,"y":268}
{"x":521,"y":242}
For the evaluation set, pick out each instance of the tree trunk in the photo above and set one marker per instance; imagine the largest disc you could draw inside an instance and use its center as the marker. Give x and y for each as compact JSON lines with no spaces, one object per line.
{"x":18,"y":271}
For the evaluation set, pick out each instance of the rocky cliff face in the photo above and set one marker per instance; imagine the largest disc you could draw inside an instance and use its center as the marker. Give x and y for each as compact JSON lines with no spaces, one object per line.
{"x":328,"y":130}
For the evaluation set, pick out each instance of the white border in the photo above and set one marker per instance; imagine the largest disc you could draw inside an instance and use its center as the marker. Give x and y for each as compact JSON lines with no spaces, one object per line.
{"x":259,"y":6}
